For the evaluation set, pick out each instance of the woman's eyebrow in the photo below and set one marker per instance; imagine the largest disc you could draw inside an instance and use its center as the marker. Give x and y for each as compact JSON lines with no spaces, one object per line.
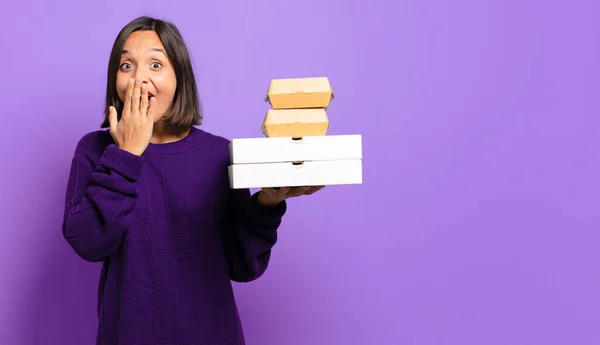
{"x":125,"y":52}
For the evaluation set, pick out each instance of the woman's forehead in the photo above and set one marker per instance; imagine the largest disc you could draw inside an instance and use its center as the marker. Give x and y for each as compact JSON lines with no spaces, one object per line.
{"x":145,"y":41}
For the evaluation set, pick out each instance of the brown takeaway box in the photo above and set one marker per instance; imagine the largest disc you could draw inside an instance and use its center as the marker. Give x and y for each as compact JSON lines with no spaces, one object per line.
{"x":300,"y":93}
{"x":295,"y":123}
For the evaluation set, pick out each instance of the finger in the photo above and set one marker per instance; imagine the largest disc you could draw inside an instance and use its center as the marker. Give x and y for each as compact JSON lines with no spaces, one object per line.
{"x":314,"y":189}
{"x":299,"y":191}
{"x":281,"y":192}
{"x":277,"y":193}
{"x":144,"y":101}
{"x":135,"y":98}
{"x":151,"y":108}
{"x":128,"y":96}
{"x":112,"y":118}
{"x":294,"y":192}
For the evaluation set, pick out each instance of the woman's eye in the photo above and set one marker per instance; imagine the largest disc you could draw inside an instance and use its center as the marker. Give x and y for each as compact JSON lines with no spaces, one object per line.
{"x":156,"y":65}
{"x":124,"y":66}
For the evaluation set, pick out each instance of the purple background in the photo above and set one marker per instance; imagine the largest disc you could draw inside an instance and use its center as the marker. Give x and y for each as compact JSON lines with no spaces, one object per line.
{"x":477,"y":222}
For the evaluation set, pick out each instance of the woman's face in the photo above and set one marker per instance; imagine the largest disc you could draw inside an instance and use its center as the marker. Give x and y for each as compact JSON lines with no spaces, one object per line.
{"x":144,"y":57}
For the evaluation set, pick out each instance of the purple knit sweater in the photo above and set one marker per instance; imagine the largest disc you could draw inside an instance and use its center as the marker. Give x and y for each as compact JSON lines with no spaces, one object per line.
{"x":171,"y":236}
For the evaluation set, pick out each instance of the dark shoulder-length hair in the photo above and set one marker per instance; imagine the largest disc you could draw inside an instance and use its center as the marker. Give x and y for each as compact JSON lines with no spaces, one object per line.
{"x":185,"y":111}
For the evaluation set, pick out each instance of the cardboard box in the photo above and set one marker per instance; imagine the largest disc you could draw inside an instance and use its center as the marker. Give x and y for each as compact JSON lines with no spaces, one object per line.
{"x":295,"y":123}
{"x":289,"y":162}
{"x":288,"y":174}
{"x":300,"y":93}
{"x":296,"y":150}
{"x":287,"y":149}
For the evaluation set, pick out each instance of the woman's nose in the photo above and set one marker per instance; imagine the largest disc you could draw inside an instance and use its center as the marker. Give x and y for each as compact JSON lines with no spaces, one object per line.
{"x":141,"y":75}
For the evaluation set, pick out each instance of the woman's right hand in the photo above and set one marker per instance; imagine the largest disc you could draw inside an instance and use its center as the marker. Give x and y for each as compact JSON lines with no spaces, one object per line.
{"x":133,"y":131}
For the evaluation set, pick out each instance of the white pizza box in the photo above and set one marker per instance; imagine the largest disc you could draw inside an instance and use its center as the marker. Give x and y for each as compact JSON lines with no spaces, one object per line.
{"x":288,"y":149}
{"x":290,"y":174}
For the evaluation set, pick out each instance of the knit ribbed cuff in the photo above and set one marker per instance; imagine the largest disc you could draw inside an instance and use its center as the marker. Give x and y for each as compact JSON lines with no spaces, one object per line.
{"x":270,"y":215}
{"x":123,"y":162}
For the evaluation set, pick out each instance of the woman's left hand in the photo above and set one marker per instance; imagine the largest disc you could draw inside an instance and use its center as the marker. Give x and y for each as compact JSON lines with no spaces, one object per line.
{"x":269,"y":197}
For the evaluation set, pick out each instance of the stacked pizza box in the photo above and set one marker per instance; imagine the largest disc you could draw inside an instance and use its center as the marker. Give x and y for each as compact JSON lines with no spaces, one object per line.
{"x":296,"y":149}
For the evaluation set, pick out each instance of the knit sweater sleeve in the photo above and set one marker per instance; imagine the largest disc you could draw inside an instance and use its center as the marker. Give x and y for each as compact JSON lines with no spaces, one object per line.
{"x":100,"y":196}
{"x":251,"y":232}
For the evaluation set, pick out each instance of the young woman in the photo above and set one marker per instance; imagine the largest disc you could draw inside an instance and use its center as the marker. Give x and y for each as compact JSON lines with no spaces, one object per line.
{"x":150,"y":199}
